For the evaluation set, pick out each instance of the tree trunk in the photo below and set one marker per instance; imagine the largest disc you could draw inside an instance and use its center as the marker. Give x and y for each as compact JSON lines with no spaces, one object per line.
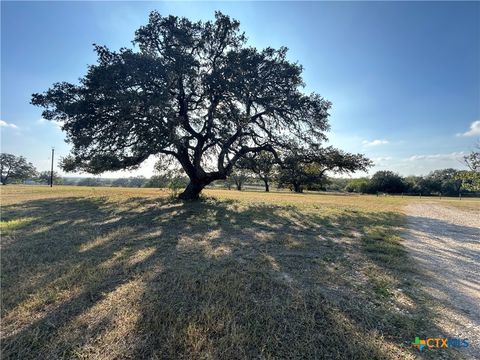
{"x":193,"y":190}
{"x":239,"y":187}
{"x":297,"y":188}
{"x":267,"y":187}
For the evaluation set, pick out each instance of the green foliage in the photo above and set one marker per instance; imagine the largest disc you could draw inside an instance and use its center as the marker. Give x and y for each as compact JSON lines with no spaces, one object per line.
{"x":175,"y":184}
{"x":92,"y":182}
{"x":262,"y":165}
{"x":168,"y":175}
{"x":360,"y":185}
{"x":472,"y":160}
{"x":319,"y":185}
{"x":157,"y":181}
{"x":336,"y":184}
{"x":447,"y":182}
{"x":381,"y":181}
{"x":15,"y":168}
{"x":307,"y":169}
{"x":416,"y":185}
{"x":137,"y":181}
{"x":470,"y":180}
{"x":386,"y":182}
{"x":444,"y":182}
{"x":228,"y":183}
{"x":121,"y":182}
{"x":239,"y":176}
{"x":44,"y":178}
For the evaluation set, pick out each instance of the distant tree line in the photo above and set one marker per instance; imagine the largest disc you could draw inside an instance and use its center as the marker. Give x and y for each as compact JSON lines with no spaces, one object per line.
{"x":448,"y":182}
{"x":297,"y":172}
{"x":439,"y":182}
{"x":308,"y":171}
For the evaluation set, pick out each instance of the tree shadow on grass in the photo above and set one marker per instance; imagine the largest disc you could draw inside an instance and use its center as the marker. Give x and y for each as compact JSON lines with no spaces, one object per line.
{"x":152,"y":278}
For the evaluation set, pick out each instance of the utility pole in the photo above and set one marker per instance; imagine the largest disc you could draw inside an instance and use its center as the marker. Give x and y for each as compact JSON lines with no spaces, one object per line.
{"x":51,"y":170}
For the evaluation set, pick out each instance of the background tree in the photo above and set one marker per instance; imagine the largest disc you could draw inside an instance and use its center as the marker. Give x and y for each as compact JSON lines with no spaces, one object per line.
{"x":470,"y":180}
{"x":387,"y":182}
{"x":228,"y":183}
{"x":239,"y":176}
{"x":168,"y":174}
{"x":306,"y":167}
{"x":360,"y":185}
{"x":44,"y":178}
{"x":336,"y":184}
{"x":70,"y":181}
{"x":317,"y":183}
{"x":444,"y":182}
{"x":472,"y":160}
{"x":157,"y":181}
{"x":261,"y":164}
{"x":121,"y":182}
{"x":15,"y":168}
{"x":194,"y":92}
{"x":91,"y":182}
{"x":137,"y":181}
{"x":418,"y":185}
{"x":293,"y":173}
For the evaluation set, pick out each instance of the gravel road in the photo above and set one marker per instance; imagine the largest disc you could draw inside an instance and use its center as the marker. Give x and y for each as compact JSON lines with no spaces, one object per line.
{"x":445,"y":243}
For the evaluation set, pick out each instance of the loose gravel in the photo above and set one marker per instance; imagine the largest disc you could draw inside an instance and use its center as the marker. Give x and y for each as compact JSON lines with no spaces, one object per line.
{"x":445,"y":243}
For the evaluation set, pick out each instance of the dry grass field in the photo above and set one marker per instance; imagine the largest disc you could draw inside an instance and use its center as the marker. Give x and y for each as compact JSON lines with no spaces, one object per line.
{"x":111,"y":273}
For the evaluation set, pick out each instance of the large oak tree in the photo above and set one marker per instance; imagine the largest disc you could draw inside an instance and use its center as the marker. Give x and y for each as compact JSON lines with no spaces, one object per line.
{"x":194,"y":91}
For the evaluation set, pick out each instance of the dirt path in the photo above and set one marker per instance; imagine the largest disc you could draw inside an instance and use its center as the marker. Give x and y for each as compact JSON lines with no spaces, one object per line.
{"x":445,"y":242}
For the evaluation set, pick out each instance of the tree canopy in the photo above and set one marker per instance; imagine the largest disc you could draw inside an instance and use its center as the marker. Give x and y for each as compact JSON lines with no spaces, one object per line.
{"x":388,"y":182}
{"x":470,"y":180}
{"x":305,"y":167}
{"x":262,"y":164}
{"x":361,"y":185}
{"x":45,"y":177}
{"x":15,"y":168}
{"x":193,"y":91}
{"x":472,"y":160}
{"x":445,"y":181}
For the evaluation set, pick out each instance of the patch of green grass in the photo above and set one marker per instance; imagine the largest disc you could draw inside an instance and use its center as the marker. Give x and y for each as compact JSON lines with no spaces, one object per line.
{"x":127,"y":273}
{"x":10,"y":225}
{"x":383,"y":244}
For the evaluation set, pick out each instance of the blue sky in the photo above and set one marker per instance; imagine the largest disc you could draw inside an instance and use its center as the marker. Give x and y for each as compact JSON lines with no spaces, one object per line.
{"x":403,"y":77}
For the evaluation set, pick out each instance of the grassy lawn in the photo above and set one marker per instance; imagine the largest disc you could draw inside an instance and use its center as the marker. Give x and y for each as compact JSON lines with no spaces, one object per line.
{"x":129,"y":273}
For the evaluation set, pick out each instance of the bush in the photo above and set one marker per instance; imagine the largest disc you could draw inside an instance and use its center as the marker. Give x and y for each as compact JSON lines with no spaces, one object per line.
{"x":358,"y":185}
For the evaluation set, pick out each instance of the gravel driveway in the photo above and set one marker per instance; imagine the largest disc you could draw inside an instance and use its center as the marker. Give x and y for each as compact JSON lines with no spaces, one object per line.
{"x":445,"y":242}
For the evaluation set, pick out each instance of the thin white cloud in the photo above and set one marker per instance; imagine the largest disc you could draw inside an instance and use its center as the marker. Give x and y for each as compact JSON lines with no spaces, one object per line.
{"x":375,"y":142}
{"x":381,"y":161}
{"x":449,"y":156}
{"x":473,"y":131}
{"x":381,"y":158}
{"x":8,"y":125}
